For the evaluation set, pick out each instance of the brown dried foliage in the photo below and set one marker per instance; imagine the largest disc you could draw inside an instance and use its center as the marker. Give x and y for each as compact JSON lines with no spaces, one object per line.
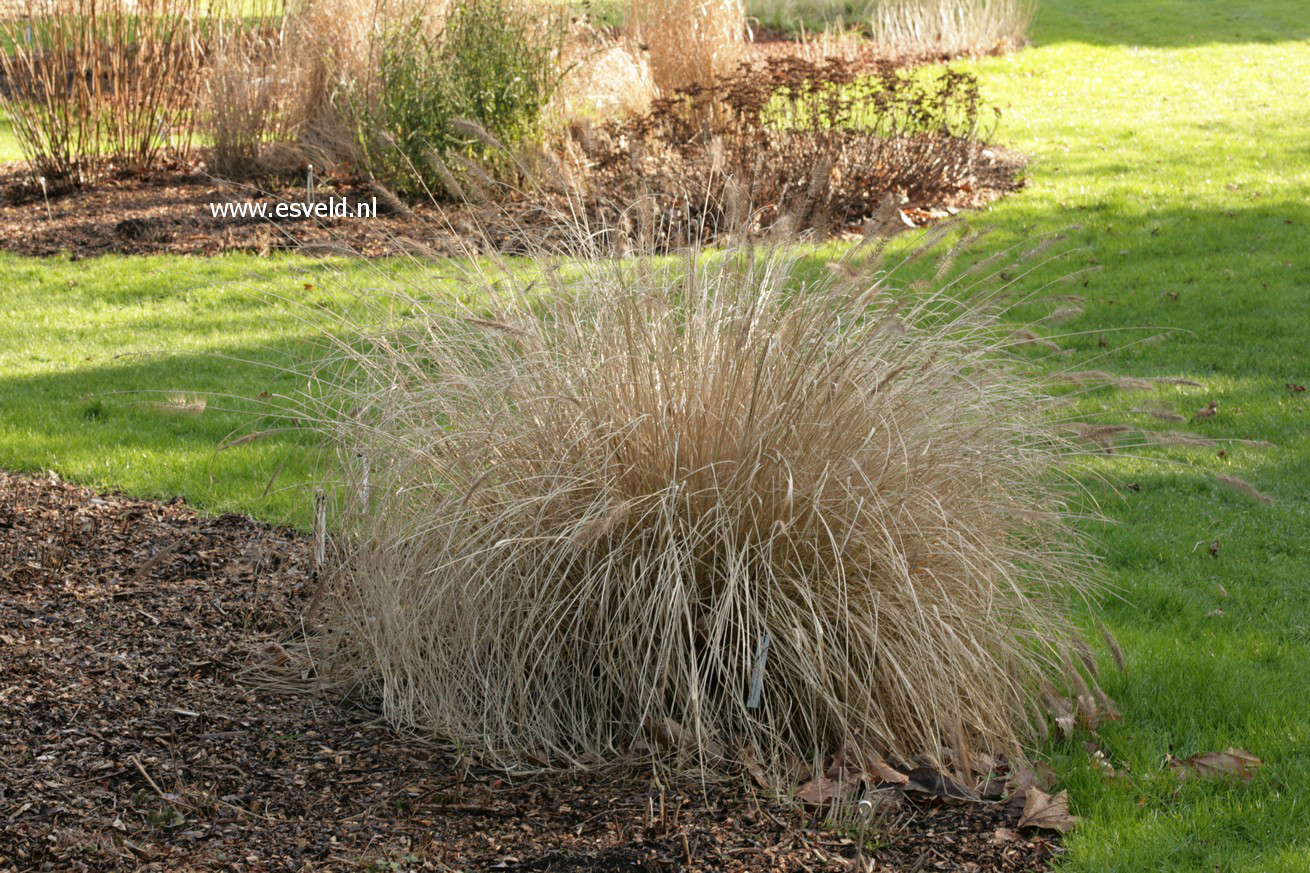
{"x":823,"y":144}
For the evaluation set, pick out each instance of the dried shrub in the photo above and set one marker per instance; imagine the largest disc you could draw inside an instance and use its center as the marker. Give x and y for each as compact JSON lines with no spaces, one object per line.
{"x":823,"y":144}
{"x":948,"y":28}
{"x":93,"y":85}
{"x":690,"y":43}
{"x":697,"y":508}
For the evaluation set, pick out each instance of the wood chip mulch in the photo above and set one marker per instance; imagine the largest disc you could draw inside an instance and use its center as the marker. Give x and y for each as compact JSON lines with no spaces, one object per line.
{"x":135,"y":733}
{"x":169,"y":212}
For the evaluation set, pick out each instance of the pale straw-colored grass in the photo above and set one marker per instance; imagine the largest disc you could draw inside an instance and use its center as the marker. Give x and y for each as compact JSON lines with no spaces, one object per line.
{"x":951,"y":27}
{"x":606,"y":77}
{"x":702,"y":509}
{"x":690,"y":43}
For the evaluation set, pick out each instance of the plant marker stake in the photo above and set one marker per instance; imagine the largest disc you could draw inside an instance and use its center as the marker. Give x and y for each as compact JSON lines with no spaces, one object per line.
{"x":865,"y":809}
{"x":45,"y":195}
{"x":309,"y":186}
{"x":320,"y":530}
{"x":757,"y":675}
{"x":363,"y":488}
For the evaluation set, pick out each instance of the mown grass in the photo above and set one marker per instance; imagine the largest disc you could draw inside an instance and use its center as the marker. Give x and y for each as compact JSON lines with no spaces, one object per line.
{"x":89,"y":350}
{"x":1174,"y":132}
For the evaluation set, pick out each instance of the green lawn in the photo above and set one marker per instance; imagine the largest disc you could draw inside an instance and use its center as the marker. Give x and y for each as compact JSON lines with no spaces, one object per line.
{"x":90,"y":350}
{"x":1176,"y":133}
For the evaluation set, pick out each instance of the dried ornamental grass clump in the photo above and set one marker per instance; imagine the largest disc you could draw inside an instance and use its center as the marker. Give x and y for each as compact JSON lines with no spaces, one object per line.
{"x":704,"y":509}
{"x":691,"y":43}
{"x":951,"y":27}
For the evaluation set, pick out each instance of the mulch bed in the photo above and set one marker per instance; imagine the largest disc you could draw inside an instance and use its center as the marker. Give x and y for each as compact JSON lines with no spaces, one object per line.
{"x":168,"y":212}
{"x":139,"y":729}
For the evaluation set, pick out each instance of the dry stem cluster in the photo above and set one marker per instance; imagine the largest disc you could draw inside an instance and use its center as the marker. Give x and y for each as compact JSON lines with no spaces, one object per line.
{"x":712,"y":508}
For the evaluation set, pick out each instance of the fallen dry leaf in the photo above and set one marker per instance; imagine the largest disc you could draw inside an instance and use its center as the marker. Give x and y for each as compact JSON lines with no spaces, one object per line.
{"x":823,"y":791}
{"x":1207,"y":411}
{"x":751,"y":760}
{"x":1003,"y":836}
{"x":864,"y":761}
{"x":1041,"y":810}
{"x":1230,"y":763}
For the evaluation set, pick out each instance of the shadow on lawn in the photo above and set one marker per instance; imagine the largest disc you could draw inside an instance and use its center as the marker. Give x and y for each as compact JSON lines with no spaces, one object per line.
{"x":1222,"y":274}
{"x":111,"y":422}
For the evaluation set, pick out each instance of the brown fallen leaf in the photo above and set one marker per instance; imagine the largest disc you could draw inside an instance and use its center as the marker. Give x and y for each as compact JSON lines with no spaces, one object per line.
{"x":1003,"y":836}
{"x":863,"y":760}
{"x":1230,"y":763}
{"x":1207,"y":411}
{"x":1041,"y":810}
{"x":823,"y":791}
{"x":1294,"y":388}
{"x":751,"y":760}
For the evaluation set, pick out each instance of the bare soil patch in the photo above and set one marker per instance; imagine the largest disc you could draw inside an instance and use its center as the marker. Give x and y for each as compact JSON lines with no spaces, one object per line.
{"x":134,"y":734}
